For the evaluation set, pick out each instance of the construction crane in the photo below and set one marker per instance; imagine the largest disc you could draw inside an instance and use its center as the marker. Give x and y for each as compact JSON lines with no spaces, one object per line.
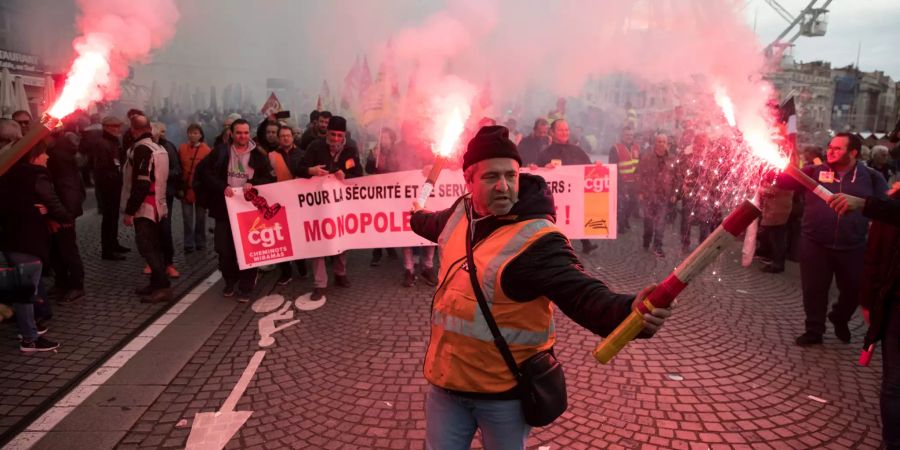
{"x":811,"y":22}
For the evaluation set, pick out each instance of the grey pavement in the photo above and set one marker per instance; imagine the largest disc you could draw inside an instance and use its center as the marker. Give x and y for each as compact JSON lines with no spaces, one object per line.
{"x":90,"y":329}
{"x":723,"y":372}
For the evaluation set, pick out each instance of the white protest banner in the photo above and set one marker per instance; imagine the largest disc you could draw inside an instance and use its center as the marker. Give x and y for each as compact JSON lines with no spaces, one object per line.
{"x":323,"y":216}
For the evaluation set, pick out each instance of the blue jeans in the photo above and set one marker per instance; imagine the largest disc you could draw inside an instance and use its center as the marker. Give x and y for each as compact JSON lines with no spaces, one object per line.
{"x":194,"y":218}
{"x":26,"y":313}
{"x":451,"y":421}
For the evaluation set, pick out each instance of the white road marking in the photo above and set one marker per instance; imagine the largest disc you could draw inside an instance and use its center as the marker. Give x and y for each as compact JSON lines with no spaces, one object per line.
{"x":213,"y":430}
{"x":303,"y":302}
{"x":243,"y":382}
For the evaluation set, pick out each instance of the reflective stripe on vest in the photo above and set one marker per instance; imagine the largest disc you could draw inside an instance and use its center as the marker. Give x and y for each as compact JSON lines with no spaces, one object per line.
{"x":461,"y":354}
{"x":627,"y":163}
{"x":477,"y":328}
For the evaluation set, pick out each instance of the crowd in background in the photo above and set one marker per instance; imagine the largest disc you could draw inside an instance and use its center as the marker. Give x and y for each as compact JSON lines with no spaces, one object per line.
{"x":141,"y":167}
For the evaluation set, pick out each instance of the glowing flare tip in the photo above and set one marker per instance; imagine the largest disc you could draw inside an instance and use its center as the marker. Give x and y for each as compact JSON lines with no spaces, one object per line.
{"x":84,"y":85}
{"x":724,"y":102}
{"x":452,"y":131}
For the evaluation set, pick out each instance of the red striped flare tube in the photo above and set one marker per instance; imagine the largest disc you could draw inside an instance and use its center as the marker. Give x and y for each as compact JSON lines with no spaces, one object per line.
{"x":808,"y":182}
{"x":664,"y":293}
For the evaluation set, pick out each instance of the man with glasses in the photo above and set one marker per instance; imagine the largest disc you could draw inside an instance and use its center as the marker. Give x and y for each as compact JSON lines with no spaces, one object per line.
{"x":833,"y":246}
{"x":23,"y":118}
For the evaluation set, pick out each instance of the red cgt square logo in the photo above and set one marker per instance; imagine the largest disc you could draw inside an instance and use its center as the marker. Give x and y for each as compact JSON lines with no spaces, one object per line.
{"x":596,"y":179}
{"x":264,"y":240}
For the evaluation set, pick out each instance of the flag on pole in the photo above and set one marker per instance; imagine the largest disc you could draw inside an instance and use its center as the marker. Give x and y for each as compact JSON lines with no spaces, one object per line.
{"x":787,"y":117}
{"x":351,"y":86}
{"x":375,"y":103}
{"x":271,"y":106}
{"x":365,"y":77}
{"x":325,"y":95}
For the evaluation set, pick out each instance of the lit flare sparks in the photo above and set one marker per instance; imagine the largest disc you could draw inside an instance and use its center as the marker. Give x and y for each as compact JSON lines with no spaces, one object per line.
{"x":445,"y":146}
{"x":452,"y":131}
{"x":89,"y":75}
{"x":756,"y":132}
{"x":724,"y":102}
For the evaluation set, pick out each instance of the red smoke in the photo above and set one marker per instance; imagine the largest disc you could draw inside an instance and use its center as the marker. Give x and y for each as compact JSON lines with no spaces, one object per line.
{"x":114,"y":34}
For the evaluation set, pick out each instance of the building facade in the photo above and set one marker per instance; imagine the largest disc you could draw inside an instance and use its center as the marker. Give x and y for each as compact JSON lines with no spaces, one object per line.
{"x":813,"y":88}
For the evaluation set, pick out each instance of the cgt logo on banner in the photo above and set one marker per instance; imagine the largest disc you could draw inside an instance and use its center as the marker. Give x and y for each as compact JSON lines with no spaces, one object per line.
{"x":265,"y":240}
{"x":597,"y":186}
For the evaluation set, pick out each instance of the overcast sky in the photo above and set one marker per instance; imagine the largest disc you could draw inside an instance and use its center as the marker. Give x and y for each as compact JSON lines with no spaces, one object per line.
{"x":206,"y":34}
{"x":873,"y":23}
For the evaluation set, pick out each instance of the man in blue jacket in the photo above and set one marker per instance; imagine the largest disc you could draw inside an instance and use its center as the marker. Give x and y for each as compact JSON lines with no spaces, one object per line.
{"x":834,"y":246}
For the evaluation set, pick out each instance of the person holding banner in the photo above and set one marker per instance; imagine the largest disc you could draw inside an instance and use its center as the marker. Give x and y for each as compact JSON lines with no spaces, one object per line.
{"x":560,"y":153}
{"x":233,"y":169}
{"x":503,"y":235}
{"x":335,"y":155}
{"x":285,"y":160}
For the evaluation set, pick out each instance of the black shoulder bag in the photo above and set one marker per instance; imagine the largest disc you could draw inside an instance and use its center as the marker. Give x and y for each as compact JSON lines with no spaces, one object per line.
{"x":540,"y":381}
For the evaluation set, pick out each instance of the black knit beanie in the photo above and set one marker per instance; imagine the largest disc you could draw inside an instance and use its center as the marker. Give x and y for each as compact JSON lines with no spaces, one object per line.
{"x":490,"y":142}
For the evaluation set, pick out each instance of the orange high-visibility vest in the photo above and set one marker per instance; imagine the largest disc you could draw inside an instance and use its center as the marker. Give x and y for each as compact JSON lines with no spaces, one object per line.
{"x":461,"y":354}
{"x":627,"y":163}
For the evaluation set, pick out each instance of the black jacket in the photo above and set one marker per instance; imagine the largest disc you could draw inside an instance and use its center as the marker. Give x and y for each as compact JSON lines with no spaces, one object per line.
{"x":549,"y":267}
{"x":65,"y":174}
{"x":212,"y":178}
{"x":104,"y":152}
{"x":881,"y":268}
{"x":308,"y":137}
{"x":261,"y":136}
{"x":318,"y":154}
{"x":531,"y":147}
{"x":820,"y":223}
{"x":173,"y":182}
{"x":22,"y":227}
{"x":568,"y":154}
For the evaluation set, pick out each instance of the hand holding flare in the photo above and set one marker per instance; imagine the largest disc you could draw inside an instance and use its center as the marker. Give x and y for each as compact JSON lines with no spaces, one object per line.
{"x":452,"y":132}
{"x":664,"y":294}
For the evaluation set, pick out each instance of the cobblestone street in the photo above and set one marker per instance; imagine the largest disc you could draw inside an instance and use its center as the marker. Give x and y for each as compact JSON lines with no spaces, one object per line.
{"x":91,"y":329}
{"x":723,"y":373}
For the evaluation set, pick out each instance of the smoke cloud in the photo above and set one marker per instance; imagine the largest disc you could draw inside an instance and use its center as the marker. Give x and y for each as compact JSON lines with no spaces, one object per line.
{"x":113,"y":35}
{"x":514,"y":57}
{"x":513,"y":45}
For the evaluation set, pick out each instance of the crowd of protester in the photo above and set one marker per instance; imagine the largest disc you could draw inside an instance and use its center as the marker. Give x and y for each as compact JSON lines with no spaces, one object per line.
{"x":138,"y":175}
